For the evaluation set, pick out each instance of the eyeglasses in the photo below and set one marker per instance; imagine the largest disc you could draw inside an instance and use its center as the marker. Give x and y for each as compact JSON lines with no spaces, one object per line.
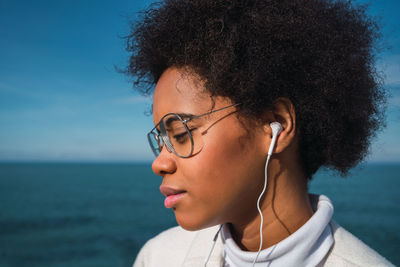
{"x":179,"y":133}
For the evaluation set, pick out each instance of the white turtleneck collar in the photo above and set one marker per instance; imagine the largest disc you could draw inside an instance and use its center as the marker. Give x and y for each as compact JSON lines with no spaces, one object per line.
{"x":306,"y":247}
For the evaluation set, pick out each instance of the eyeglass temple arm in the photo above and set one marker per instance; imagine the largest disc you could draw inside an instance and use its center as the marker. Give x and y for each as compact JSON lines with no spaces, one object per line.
{"x":208,"y":113}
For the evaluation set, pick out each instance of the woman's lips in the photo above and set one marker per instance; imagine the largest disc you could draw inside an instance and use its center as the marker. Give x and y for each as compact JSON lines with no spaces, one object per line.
{"x":172,"y":195}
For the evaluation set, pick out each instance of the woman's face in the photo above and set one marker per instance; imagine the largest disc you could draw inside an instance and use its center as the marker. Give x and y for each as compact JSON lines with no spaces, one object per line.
{"x":220,"y":183}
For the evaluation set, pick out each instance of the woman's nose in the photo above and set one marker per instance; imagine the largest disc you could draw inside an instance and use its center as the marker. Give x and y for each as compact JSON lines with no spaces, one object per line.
{"x":164,"y":163}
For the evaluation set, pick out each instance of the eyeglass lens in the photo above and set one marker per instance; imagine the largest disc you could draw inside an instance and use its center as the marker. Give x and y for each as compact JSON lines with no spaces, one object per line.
{"x":180,"y":138}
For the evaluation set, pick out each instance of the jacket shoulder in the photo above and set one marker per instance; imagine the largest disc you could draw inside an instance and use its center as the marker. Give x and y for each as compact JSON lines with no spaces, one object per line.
{"x":173,"y":247}
{"x":350,"y":251}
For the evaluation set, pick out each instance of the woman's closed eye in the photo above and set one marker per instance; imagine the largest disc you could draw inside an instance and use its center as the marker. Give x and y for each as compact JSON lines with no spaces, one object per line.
{"x":182,"y":137}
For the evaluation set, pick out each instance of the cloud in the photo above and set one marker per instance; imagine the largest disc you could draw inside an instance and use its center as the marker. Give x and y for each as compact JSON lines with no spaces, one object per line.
{"x":390,"y":66}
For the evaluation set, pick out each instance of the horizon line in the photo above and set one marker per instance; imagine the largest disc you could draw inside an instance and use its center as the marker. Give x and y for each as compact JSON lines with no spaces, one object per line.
{"x":144,"y":161}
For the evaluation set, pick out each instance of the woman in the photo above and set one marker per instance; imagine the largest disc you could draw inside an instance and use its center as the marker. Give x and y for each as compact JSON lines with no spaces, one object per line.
{"x":251,"y":99}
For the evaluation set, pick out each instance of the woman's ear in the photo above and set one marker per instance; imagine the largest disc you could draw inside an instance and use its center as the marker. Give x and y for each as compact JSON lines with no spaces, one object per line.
{"x":283,"y":112}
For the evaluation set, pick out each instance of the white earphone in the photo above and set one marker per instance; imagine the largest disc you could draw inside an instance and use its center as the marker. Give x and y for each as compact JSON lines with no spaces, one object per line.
{"x":276,"y":128}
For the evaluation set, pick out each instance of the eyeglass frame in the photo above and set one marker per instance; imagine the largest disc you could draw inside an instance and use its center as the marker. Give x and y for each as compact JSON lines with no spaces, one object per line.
{"x":165,"y":139}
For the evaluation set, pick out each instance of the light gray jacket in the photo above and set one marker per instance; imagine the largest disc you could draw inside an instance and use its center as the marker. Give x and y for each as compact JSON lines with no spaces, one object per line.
{"x":178,"y":247}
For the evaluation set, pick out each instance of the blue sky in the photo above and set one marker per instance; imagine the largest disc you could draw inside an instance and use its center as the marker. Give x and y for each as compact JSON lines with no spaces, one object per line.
{"x":62,"y":100}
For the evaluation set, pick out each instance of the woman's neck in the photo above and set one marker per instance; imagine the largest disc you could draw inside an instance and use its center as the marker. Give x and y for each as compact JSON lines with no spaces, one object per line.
{"x":285,"y":207}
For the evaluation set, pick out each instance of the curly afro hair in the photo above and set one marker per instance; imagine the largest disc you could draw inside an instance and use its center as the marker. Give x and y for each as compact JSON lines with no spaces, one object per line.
{"x":320,"y":54}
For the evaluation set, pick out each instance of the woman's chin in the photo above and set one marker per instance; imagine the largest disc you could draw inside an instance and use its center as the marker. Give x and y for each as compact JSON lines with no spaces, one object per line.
{"x":192,"y":223}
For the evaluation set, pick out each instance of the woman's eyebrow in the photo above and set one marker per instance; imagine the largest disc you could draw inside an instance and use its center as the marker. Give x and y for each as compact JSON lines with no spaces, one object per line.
{"x":183,"y":116}
{"x":186,"y":116}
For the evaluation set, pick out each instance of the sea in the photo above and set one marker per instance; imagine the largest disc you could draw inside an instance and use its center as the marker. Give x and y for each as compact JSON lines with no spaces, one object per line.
{"x":100,"y":214}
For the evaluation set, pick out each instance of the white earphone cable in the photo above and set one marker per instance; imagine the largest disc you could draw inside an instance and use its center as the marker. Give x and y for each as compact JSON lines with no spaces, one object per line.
{"x":213,"y":245}
{"x":259,"y":210}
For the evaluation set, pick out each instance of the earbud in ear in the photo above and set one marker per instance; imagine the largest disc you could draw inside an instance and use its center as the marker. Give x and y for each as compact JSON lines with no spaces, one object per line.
{"x":276,"y":130}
